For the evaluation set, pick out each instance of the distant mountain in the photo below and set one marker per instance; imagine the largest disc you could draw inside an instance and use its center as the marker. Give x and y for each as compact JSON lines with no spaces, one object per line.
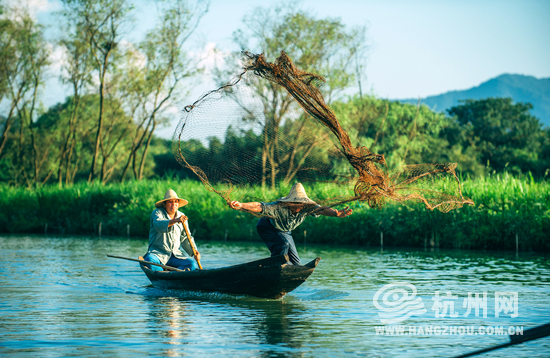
{"x":519,"y":87}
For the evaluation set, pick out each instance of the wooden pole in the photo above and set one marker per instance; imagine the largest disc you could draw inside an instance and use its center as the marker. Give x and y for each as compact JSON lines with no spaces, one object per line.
{"x":381,"y":240}
{"x":528,"y":335}
{"x":99,"y":231}
{"x":128,"y":230}
{"x":517,"y":245}
{"x":169,"y":268}
{"x":195,"y":252}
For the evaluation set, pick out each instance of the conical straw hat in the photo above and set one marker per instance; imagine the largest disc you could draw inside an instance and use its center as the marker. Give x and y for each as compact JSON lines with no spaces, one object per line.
{"x":170,"y":194}
{"x":297,"y":195}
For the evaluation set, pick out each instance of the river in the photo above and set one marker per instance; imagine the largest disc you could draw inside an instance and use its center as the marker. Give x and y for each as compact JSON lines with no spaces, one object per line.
{"x":62,"y":297}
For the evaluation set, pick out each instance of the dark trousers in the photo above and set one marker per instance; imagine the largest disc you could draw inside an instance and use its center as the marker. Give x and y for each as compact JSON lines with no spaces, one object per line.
{"x":278,"y":242}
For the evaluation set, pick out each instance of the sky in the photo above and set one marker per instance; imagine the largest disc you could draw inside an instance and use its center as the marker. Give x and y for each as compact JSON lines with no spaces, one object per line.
{"x":426,"y":47}
{"x":417,"y":48}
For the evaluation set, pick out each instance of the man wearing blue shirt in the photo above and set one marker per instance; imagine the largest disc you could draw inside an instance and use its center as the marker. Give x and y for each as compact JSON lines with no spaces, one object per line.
{"x":167,"y":237}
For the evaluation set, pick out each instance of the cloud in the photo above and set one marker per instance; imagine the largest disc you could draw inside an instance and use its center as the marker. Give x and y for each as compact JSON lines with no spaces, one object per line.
{"x":211,"y":58}
{"x":139,"y":59}
{"x":57,"y":59}
{"x":33,"y":7}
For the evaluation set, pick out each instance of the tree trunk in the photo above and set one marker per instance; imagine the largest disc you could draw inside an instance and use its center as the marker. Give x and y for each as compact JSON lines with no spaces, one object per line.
{"x":98,"y":133}
{"x":9,"y":119}
{"x":66,"y":147}
{"x":98,"y":138}
{"x":142,"y":164}
{"x":7,"y":127}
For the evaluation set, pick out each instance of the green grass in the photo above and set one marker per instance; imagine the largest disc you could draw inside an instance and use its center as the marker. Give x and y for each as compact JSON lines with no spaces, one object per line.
{"x":505,"y":206}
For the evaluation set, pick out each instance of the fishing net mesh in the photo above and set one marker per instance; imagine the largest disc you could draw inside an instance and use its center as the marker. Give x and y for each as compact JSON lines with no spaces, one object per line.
{"x":270,"y":127}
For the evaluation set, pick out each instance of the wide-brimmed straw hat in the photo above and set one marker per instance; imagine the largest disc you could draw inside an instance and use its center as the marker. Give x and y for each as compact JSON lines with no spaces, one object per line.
{"x":297,"y":195}
{"x":170,"y":195}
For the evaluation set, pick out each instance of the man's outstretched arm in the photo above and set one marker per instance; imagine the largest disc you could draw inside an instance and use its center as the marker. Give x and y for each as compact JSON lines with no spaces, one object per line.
{"x":326,"y":211}
{"x":254,"y":207}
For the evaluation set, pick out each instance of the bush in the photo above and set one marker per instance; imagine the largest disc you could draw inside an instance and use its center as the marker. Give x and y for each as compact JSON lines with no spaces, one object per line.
{"x":505,"y":206}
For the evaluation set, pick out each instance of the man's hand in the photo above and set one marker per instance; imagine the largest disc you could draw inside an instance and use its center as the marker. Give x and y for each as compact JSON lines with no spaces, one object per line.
{"x":198,"y":256}
{"x":252,"y":206}
{"x":235,"y":205}
{"x":344,"y":212}
{"x":180,"y":219}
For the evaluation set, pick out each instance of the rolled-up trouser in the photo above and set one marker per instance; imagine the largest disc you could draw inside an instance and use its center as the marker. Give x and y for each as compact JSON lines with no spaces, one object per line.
{"x":182,"y":264}
{"x":278,"y":242}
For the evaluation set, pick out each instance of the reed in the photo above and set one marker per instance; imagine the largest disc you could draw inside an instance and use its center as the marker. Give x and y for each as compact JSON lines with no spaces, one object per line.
{"x":505,"y":206}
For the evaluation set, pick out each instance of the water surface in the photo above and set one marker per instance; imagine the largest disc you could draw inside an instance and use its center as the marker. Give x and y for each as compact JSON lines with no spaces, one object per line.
{"x":61,"y":296}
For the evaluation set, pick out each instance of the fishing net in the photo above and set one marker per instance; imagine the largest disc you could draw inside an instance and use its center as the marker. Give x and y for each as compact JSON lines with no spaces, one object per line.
{"x":270,"y":127}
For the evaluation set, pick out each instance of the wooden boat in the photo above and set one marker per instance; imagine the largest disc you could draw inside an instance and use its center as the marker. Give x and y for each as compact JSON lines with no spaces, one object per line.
{"x":267,"y":278}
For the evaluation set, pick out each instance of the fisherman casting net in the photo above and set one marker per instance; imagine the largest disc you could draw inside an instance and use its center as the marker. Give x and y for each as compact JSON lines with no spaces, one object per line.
{"x":270,"y":127}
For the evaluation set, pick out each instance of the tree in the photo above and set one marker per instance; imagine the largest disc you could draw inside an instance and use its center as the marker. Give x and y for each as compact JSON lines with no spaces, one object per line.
{"x":13,"y":60}
{"x":6,"y":51}
{"x":53,"y":124}
{"x":504,"y":134}
{"x":544,"y":165}
{"x":321,"y":46}
{"x":102,"y":22}
{"x":78,"y":67}
{"x":155,"y":71}
{"x":404,"y":133}
{"x":24,"y":58}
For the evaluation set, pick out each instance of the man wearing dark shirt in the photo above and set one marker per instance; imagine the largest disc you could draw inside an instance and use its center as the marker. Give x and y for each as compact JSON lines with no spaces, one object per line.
{"x":280,"y":217}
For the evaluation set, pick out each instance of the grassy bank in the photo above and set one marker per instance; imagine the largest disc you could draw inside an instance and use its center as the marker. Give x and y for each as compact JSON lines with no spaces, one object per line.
{"x":506,"y":207}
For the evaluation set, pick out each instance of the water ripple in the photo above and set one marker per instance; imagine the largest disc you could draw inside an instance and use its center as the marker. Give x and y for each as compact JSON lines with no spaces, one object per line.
{"x":60,"y":296}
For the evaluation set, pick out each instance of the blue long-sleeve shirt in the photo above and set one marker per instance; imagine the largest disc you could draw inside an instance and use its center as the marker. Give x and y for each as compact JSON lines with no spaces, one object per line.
{"x":165,"y":241}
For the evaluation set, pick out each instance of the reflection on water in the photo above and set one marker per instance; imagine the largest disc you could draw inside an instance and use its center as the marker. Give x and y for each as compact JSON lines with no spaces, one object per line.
{"x":64,"y":297}
{"x":273,"y":327}
{"x":172,"y":314}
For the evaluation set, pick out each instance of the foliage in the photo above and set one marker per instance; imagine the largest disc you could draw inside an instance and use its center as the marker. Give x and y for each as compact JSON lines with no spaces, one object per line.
{"x":322,"y":46}
{"x":500,"y":135}
{"x":120,"y":91}
{"x":102,"y":23}
{"x":152,"y":84}
{"x":24,"y":57}
{"x":404,"y":133}
{"x":53,"y":127}
{"x":506,"y":206}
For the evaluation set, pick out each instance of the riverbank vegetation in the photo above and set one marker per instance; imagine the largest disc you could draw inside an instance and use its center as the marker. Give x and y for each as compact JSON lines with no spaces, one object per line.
{"x":506,"y":207}
{"x":92,"y":162}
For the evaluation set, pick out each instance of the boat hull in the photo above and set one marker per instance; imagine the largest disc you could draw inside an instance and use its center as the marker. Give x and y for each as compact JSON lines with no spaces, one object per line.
{"x":267,"y":278}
